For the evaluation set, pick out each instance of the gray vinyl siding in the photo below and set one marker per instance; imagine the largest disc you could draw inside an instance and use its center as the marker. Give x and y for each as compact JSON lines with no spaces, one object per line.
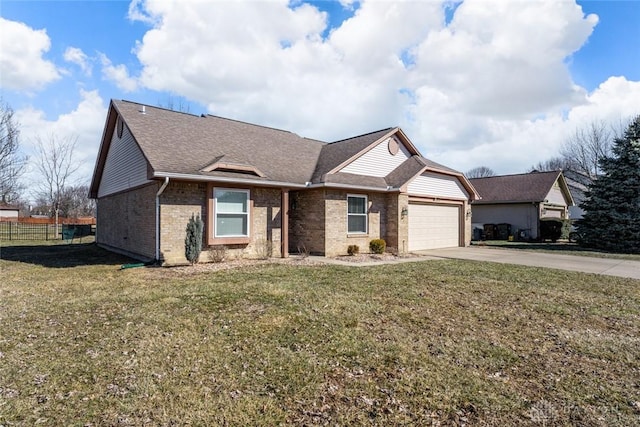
{"x":125,"y":166}
{"x":436,"y":185}
{"x":521,"y":216}
{"x":556,"y":197}
{"x":378,"y":161}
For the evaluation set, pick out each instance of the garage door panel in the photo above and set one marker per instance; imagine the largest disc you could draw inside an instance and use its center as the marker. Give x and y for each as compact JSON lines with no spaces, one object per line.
{"x":433,"y":226}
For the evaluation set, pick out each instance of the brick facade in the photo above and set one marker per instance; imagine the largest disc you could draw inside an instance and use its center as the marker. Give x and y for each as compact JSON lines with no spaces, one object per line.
{"x":318,"y":221}
{"x":126,"y":222}
{"x":307,"y":221}
{"x":467,"y":223}
{"x":337,"y":239}
{"x":397,"y":224}
{"x":180,"y":200}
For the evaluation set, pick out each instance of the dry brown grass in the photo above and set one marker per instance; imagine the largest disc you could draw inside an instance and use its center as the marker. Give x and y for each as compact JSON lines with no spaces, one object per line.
{"x":432,"y":342}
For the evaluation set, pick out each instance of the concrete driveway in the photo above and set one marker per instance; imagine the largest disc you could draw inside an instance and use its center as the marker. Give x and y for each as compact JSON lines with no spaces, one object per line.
{"x":606,"y":266}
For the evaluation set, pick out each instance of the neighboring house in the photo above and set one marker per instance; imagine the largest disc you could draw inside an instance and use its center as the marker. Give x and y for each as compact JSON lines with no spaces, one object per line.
{"x":266,"y":191}
{"x":8,"y":212}
{"x":521,"y":200}
{"x":578,"y":185}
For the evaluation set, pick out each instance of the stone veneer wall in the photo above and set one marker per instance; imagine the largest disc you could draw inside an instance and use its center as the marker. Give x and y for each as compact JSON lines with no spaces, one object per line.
{"x":182,"y":199}
{"x":126,"y":222}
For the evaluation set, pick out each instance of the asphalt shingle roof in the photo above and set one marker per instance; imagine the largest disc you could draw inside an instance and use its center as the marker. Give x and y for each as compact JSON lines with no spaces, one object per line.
{"x":185,"y":144}
{"x":522,"y":188}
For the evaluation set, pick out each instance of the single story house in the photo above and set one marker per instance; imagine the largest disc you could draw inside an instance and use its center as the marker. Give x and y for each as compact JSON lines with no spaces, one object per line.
{"x":521,"y":200}
{"x":8,"y":212}
{"x":262,"y":190}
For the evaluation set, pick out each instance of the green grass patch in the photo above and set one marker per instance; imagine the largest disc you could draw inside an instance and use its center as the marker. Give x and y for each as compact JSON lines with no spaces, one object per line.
{"x":85,"y":343}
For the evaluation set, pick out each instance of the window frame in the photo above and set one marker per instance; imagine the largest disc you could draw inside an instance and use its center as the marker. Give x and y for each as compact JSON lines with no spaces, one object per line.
{"x":213,"y":238}
{"x":365,"y":214}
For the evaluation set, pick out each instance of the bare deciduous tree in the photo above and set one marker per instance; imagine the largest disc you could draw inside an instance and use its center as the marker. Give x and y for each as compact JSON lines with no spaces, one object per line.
{"x":553,"y":164}
{"x":480,"y":172}
{"x":587,"y":145}
{"x":75,"y":202}
{"x":12,"y":163}
{"x":175,"y":105}
{"x":56,"y":166}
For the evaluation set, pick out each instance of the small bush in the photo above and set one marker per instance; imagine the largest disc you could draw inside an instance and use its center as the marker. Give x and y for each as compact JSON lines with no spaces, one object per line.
{"x":567,"y":224}
{"x":218,"y":254}
{"x":302,"y":250}
{"x":193,"y":240}
{"x":263,"y":248}
{"x":377,"y":246}
{"x":353,"y":250}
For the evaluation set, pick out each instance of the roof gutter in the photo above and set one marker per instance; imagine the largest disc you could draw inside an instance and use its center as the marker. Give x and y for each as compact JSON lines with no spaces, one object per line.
{"x":158,"y":194}
{"x":189,"y":177}
{"x":279,"y":184}
{"x":352,"y":187}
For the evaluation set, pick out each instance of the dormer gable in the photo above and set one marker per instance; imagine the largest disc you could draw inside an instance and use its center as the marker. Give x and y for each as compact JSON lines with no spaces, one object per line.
{"x":222,"y":166}
{"x":381,"y":157}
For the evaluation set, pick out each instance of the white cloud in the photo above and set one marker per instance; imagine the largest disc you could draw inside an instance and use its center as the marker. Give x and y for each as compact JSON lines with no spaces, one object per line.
{"x":117,"y":74}
{"x":506,"y":59}
{"x":490,"y":87}
{"x":137,"y":12}
{"x":22,"y":65}
{"x":85,"y":122}
{"x":78,"y":57}
{"x":347,"y":4}
{"x":512,"y":146}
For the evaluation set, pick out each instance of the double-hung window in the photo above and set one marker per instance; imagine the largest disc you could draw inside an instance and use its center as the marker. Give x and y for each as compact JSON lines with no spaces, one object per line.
{"x":357,"y":214}
{"x":231,"y":212}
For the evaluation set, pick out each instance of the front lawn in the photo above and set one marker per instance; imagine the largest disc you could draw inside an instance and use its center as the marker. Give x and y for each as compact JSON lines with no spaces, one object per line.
{"x":433,"y":342}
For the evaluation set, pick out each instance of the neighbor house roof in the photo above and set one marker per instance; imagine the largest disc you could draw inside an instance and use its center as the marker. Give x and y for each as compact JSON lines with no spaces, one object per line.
{"x":186,"y":146}
{"x":522,"y":188}
{"x":7,"y":207}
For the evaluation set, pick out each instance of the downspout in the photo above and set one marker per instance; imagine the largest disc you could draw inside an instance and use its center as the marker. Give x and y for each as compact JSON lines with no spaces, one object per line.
{"x":160,"y":191}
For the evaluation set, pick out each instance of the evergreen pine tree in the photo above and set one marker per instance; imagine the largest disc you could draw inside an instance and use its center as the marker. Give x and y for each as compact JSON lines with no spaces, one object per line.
{"x":612,"y":208}
{"x":193,"y":241}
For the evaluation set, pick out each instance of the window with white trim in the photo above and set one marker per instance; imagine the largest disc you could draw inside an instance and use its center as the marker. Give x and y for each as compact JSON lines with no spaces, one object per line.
{"x":357,"y":214}
{"x":231,"y":212}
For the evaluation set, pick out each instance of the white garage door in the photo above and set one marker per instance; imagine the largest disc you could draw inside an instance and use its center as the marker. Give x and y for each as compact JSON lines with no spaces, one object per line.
{"x":433,"y":226}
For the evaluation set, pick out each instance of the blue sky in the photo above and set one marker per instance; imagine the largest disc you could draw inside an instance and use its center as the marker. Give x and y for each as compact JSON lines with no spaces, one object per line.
{"x":499,"y":84}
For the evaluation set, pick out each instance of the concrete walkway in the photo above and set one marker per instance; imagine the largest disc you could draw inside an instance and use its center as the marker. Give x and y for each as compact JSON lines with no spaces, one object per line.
{"x":606,"y":266}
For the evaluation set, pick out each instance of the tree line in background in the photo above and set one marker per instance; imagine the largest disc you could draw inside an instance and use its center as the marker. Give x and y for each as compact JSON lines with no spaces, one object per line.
{"x":606,"y":159}
{"x":580,"y":153}
{"x":56,"y":191}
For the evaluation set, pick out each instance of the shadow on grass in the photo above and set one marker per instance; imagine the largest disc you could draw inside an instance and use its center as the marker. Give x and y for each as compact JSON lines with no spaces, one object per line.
{"x":63,"y":255}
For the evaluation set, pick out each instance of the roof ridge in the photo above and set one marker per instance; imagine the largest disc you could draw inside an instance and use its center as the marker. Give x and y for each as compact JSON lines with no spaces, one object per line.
{"x":364,"y":134}
{"x":160,"y":108}
{"x":519,"y":174}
